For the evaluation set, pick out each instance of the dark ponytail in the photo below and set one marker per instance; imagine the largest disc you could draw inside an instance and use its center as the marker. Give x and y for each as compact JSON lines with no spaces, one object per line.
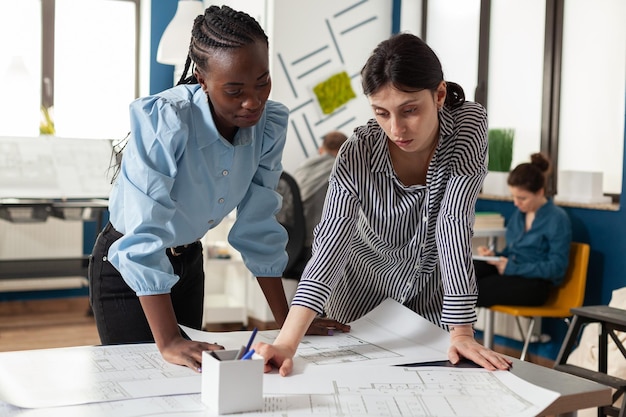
{"x":455,"y":95}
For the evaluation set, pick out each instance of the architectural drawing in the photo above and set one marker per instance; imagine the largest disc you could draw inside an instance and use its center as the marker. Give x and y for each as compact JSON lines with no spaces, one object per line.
{"x":132,"y":379}
{"x":69,"y":376}
{"x":342,"y":350}
{"x":365,"y":391}
{"x":440,"y":392}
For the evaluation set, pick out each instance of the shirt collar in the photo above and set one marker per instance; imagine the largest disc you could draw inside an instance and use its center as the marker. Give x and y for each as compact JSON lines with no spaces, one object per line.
{"x":549,"y":203}
{"x":446,"y":123}
{"x":206,"y":131}
{"x":381,"y":161}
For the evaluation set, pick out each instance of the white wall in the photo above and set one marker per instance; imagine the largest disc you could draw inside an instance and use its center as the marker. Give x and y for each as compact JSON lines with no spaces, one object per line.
{"x":310,"y":41}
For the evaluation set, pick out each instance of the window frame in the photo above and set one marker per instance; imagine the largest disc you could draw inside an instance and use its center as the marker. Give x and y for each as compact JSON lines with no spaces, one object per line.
{"x":551,"y":89}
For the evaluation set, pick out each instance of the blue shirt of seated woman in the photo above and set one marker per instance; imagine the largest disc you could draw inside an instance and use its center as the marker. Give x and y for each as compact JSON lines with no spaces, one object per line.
{"x":538,"y":239}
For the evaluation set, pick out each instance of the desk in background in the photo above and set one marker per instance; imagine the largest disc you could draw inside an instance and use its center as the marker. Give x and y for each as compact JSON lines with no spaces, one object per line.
{"x":610,"y":320}
{"x":492,"y":234}
{"x":44,"y":273}
{"x":575,"y":393}
{"x":49,"y":177}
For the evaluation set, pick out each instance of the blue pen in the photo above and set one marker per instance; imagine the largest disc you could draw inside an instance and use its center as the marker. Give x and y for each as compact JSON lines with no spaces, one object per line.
{"x":249,"y":345}
{"x":248,"y":355}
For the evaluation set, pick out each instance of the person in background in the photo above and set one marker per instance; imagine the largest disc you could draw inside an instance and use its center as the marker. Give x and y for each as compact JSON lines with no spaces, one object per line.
{"x":398,"y":218}
{"x":538,"y":238}
{"x":312,"y":178}
{"x":195,"y":152}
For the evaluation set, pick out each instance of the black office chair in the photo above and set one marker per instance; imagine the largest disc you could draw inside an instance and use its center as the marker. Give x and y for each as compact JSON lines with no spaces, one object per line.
{"x":291,"y":216}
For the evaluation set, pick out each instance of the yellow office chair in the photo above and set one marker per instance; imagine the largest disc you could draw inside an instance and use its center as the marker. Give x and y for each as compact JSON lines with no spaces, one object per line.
{"x":570,"y":294}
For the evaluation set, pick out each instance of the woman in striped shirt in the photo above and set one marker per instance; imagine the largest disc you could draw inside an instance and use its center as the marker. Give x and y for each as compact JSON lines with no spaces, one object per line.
{"x":398,"y":216}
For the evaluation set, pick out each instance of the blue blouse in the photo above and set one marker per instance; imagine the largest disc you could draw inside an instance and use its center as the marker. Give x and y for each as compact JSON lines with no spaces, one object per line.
{"x":179,"y":178}
{"x":542,"y":251}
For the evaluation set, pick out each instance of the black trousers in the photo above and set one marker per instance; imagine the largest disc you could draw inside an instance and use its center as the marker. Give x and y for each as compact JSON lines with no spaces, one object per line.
{"x":494,"y":288}
{"x":117,"y":310}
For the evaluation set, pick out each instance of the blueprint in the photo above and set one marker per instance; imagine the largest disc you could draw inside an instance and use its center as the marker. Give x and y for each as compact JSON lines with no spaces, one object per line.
{"x":349,"y":374}
{"x":67,"y":376}
{"x":364,"y":391}
{"x":402,"y":391}
{"x":391,"y":334}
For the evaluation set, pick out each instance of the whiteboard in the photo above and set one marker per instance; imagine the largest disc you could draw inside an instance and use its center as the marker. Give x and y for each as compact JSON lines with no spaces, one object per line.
{"x":51,"y":167}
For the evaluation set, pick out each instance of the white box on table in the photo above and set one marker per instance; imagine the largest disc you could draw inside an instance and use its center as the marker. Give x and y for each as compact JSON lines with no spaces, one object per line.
{"x":581,"y":187}
{"x":231,"y":385}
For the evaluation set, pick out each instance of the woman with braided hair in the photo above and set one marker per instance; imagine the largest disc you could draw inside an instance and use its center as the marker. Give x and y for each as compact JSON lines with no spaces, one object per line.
{"x":195,"y":152}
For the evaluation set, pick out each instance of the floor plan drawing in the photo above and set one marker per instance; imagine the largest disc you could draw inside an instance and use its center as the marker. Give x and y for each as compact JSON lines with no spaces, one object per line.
{"x":341,"y":350}
{"x":407,"y":391}
{"x":69,"y":376}
{"x":364,"y":378}
{"x":364,"y":391}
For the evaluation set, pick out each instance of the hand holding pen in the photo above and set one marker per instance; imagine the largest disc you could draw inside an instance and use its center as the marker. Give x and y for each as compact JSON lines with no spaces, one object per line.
{"x":245,"y":350}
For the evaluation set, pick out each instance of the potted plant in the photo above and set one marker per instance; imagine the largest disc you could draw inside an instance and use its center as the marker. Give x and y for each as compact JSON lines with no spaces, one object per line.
{"x":499,"y":161}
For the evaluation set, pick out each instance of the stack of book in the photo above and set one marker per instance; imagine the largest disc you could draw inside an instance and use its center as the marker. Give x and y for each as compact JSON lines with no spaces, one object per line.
{"x":488,"y":220}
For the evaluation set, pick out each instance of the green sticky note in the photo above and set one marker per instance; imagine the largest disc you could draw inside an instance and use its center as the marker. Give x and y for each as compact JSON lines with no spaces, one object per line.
{"x":334,"y":92}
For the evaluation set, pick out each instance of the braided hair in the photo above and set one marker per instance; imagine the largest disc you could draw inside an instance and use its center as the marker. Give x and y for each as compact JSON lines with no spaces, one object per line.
{"x":219,"y":28}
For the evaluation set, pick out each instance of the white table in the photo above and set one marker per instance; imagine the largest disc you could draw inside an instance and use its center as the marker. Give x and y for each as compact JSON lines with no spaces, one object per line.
{"x":492,"y":234}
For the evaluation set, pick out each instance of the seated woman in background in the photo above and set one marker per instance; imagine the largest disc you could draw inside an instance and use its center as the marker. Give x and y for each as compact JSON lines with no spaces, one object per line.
{"x":538,"y":237}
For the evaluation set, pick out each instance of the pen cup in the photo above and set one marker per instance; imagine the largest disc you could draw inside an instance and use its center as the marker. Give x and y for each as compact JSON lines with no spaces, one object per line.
{"x":230,"y":385}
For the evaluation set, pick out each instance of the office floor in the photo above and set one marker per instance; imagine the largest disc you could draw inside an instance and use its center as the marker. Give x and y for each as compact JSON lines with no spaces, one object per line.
{"x":66,"y":322}
{"x":46,"y":324}
{"x":57,"y":323}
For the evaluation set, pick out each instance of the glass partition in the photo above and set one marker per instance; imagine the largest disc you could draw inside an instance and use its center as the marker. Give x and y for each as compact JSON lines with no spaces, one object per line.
{"x":452,"y":32}
{"x":591,"y":129}
{"x":516,"y":54}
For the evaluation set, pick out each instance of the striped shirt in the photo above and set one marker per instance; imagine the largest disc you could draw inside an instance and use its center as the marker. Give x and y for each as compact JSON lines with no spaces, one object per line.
{"x":379,"y":238}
